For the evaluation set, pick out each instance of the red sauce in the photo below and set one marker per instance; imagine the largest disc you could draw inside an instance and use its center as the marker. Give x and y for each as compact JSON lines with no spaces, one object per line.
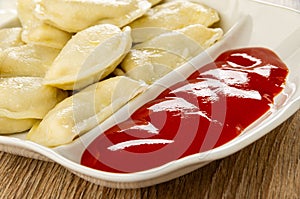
{"x":213,"y":106}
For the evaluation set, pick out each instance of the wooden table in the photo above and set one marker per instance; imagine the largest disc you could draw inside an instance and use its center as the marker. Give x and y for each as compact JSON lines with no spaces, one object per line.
{"x":269,"y":168}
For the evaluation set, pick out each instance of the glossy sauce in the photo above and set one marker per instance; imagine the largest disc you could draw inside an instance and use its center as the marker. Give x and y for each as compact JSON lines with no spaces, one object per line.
{"x":213,"y":106}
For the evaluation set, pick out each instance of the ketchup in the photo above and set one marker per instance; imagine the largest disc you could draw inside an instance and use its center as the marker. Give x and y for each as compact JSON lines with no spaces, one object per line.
{"x":213,"y":106}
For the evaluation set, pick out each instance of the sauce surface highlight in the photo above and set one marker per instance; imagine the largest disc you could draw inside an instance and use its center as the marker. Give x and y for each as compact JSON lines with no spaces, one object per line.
{"x":213,"y":106}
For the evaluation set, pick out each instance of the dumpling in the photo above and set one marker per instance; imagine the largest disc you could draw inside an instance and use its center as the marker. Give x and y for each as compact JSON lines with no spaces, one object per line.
{"x":154,"y":58}
{"x":75,"y":15}
{"x":25,"y":100}
{"x":26,"y":60}
{"x":89,"y":56}
{"x":177,"y":14}
{"x":204,"y":36}
{"x":184,"y":46}
{"x":190,"y":41}
{"x":140,"y":35}
{"x":27,"y":97}
{"x":37,"y":32}
{"x":150,"y":64}
{"x":10,"y":37}
{"x":84,"y":111}
{"x":10,"y":126}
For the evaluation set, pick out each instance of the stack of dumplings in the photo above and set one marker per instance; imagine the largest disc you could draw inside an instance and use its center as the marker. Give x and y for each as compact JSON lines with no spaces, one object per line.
{"x":25,"y":100}
{"x":84,"y":110}
{"x":167,"y":36}
{"x":35,"y":31}
{"x":72,"y":64}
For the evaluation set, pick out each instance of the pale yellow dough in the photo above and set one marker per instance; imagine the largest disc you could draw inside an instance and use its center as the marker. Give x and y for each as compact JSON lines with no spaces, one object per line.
{"x":84,"y":110}
{"x":89,"y":56}
{"x":10,"y":126}
{"x":10,"y":37}
{"x":177,"y":14}
{"x":27,"y":97}
{"x":35,"y":30}
{"x":24,"y":101}
{"x":26,"y":60}
{"x":76,"y":15}
{"x":204,"y":36}
{"x":148,"y":65}
{"x":154,"y":58}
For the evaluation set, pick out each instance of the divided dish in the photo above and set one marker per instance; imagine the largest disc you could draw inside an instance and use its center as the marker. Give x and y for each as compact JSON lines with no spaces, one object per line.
{"x":246,"y":23}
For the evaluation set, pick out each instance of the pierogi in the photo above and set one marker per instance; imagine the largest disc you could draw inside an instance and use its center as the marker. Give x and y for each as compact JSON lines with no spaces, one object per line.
{"x":84,"y":110}
{"x":76,"y":15}
{"x":26,"y":60}
{"x":10,"y":126}
{"x":10,"y":37}
{"x":177,"y":14}
{"x":28,"y":100}
{"x":205,"y":37}
{"x":149,"y":64}
{"x":154,"y":58}
{"x":89,"y":56}
{"x":36,"y":31}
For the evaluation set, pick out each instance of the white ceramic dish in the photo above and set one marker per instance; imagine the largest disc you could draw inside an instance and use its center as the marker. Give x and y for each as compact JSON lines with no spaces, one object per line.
{"x":247,"y":23}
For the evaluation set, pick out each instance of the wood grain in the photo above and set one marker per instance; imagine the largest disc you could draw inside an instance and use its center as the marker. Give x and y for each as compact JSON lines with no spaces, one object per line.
{"x":269,"y":168}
